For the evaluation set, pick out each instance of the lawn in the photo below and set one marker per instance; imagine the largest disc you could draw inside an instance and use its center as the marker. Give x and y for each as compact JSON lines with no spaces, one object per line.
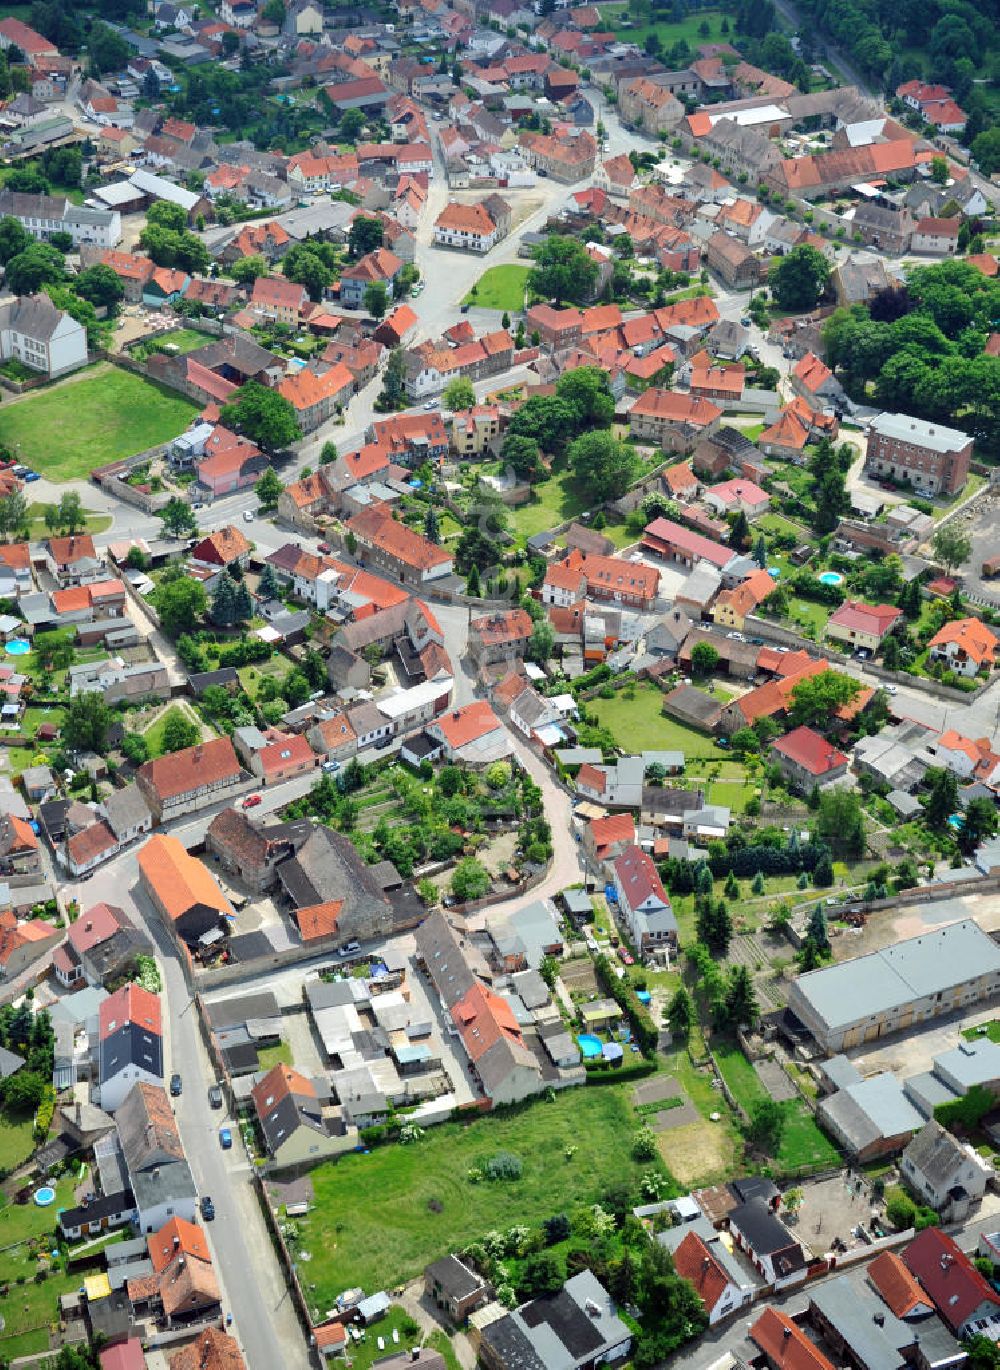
{"x":37,"y":530}
{"x":804,"y":613}
{"x":184,"y":339}
{"x":16,"y":1143}
{"x":67,"y":429}
{"x":29,"y":1309}
{"x":154,"y":733}
{"x":990,"y":1030}
{"x":279,"y":1054}
{"x":802,"y":1143}
{"x":669,"y":33}
{"x":639,"y":725}
{"x":556,"y":500}
{"x":251,"y":677}
{"x":500,"y":287}
{"x":380,"y":1218}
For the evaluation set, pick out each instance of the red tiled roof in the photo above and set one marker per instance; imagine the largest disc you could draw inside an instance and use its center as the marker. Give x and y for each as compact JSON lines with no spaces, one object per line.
{"x":694,"y":1262}
{"x":617,"y":827}
{"x":784,"y":1343}
{"x":811,"y":751}
{"x":954,"y":1284}
{"x":95,"y":925}
{"x":459,"y":727}
{"x":859,"y":617}
{"x":971,"y":636}
{"x":130,"y":1004}
{"x":377,"y":527}
{"x":811,"y":371}
{"x":177,"y":1235}
{"x":318,"y":920}
{"x":638,"y":878}
{"x":888,"y":1274}
{"x":674,"y":407}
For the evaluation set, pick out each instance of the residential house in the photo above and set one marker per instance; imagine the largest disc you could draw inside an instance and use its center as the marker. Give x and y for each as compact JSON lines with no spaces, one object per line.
{"x":644,"y":904}
{"x":393,"y":547}
{"x":645,"y":104}
{"x":671,"y":420}
{"x":568,"y":157}
{"x":806,"y":759}
{"x":182,"y":782}
{"x":967,"y":645}
{"x":933,"y":458}
{"x":298,"y":1128}
{"x":604,"y":839}
{"x":948,"y":1175}
{"x":182,"y":890}
{"x":380,"y":267}
{"x":327,"y":861}
{"x":19,"y":851}
{"x":158,"y":1173}
{"x":737,"y":496}
{"x":962,"y":1296}
{"x":40,"y":336}
{"x":73,"y":560}
{"x":577,"y":1327}
{"x":861,"y":625}
{"x":815,"y":382}
{"x":23,"y":943}
{"x":183,"y":1287}
{"x":130,"y":1047}
{"x":102,"y":944}
{"x":213,"y":1349}
{"x":683,"y":546}
{"x":472,"y":227}
{"x":316,"y":395}
{"x":500,"y":637}
{"x":612,"y":578}
{"x":472,"y":735}
{"x":882,"y":228}
{"x":252,"y":850}
{"x":771,"y":1248}
{"x":718,"y":1280}
{"x":783,"y":1344}
{"x":732,"y":260}
{"x":454,"y":1288}
{"x":279,"y":299}
{"x":732,"y":607}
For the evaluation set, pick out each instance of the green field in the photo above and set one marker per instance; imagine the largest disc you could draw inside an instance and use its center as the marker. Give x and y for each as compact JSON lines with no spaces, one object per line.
{"x":154,"y":733}
{"x":803,"y":1143}
{"x":30,"y":1309}
{"x":557,"y":499}
{"x":380,"y":1218}
{"x":638,"y":725}
{"x":669,"y":33}
{"x":500,"y":287}
{"x":66,"y":430}
{"x":93,"y":523}
{"x":279,"y":1054}
{"x":16,"y":1143}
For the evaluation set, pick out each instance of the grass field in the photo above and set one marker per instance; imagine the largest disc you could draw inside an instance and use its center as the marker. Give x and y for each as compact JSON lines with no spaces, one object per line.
{"x":558,"y":499}
{"x":185,"y":339}
{"x":93,"y":523}
{"x":802,"y":1143}
{"x":279,"y":1054}
{"x":990,"y":1030}
{"x":501,"y":287}
{"x":669,"y":33}
{"x":154,"y":733}
{"x":65,"y":430}
{"x":638,"y":725}
{"x":16,"y":1144}
{"x":380,"y":1218}
{"x":29,"y":1309}
{"x":806,"y":613}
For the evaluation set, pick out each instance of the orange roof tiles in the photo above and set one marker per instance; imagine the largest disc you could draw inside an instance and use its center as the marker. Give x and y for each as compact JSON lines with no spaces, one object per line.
{"x":319,"y":920}
{"x":898,"y":1287}
{"x":784,"y":1343}
{"x":694,"y":1262}
{"x":377,"y":527}
{"x":179,"y":879}
{"x":130,"y":1004}
{"x":971,"y":636}
{"x":674,"y":407}
{"x":459,"y":727}
{"x":177,"y":1235}
{"x":305,"y":388}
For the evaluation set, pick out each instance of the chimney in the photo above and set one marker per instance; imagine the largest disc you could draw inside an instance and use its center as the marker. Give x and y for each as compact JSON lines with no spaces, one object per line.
{"x":879,"y":1319}
{"x":786,"y":1332}
{"x":177,"y":1242}
{"x":88,"y":926}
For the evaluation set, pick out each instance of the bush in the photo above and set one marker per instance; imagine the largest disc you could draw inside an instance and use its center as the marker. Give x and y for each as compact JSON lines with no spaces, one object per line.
{"x":503,"y":1166}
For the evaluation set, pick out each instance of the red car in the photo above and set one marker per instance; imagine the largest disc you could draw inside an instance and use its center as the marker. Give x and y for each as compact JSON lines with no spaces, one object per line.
{"x":626,"y":956}
{"x":324,"y":547}
{"x":251,"y":801}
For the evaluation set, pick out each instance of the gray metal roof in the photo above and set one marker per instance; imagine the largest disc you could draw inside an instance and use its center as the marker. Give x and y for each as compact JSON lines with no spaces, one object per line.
{"x":905,"y":428}
{"x":969,"y":1064}
{"x":874,"y":1109}
{"x":883,"y":980}
{"x":850,"y":1307}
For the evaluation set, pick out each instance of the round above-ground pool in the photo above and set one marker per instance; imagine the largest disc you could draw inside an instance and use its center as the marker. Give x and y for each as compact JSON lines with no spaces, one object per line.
{"x":45,"y":1196}
{"x":774,"y":572}
{"x":589,"y":1045}
{"x":831,"y":578}
{"x":18,"y":646}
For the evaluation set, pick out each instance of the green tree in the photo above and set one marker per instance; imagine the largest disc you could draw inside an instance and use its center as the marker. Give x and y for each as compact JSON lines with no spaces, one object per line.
{"x":952,"y":547}
{"x":432,"y":527}
{"x":766,"y":1127}
{"x":523,"y":456}
{"x":268,"y":587}
{"x":544,"y":1272}
{"x":982,"y":1352}
{"x":817,"y":698}
{"x":70,"y":512}
{"x":742,"y":1008}
{"x":179,"y":732}
{"x":840,"y":823}
{"x":739,"y":532}
{"x":269,"y":488}
{"x":14,"y":238}
{"x":178,"y":517}
{"x":704,"y":659}
{"x":587,"y":390}
{"x":166,"y":214}
{"x":134,"y":748}
{"x":458,"y":394}
{"x":817,"y":930}
{"x":223,"y":608}
{"x":985,"y":150}
{"x":680,"y":1014}
{"x":979,"y":823}
{"x":14,"y":519}
{"x":365,"y":235}
{"x":181,"y":606}
{"x":376,"y":299}
{"x":563,"y":271}
{"x":248,"y":269}
{"x":101,"y":287}
{"x":798,"y":280}
{"x":85,"y":728}
{"x":304,"y":264}
{"x":39,"y":264}
{"x":262,"y":415}
{"x":470,"y":880}
{"x":822,"y":874}
{"x":542,"y":642}
{"x":603,"y":464}
{"x":352,"y":122}
{"x":942,"y":800}
{"x":106,"y":49}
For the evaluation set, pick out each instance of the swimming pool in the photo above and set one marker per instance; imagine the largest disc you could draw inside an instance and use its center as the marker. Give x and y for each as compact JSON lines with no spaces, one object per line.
{"x":589,"y":1045}
{"x":18,"y":646}
{"x":831,"y":578}
{"x":45,"y":1196}
{"x":774,"y":572}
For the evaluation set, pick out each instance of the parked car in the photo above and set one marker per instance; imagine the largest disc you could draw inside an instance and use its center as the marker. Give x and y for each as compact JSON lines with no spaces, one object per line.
{"x":176,"y":1085}
{"x":331,"y":766}
{"x":207,"y":1208}
{"x":889,"y":689}
{"x":382,"y":743}
{"x":324,"y":547}
{"x":432,"y":404}
{"x":226,"y":1138}
{"x":29,"y":476}
{"x":252,"y":800}
{"x":215,"y":1096}
{"x":248,"y":516}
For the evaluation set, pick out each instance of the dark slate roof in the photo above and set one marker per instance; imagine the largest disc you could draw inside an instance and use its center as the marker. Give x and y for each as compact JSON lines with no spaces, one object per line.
{"x":101,"y":1206}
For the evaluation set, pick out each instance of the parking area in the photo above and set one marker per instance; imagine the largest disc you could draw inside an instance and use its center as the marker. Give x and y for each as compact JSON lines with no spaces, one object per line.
{"x":914,"y":1052}
{"x":980,"y":523}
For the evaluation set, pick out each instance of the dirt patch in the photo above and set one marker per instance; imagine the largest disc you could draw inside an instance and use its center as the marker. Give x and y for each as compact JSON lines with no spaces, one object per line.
{"x":655,"y":1091}
{"x":698,"y":1153}
{"x":578,"y":976}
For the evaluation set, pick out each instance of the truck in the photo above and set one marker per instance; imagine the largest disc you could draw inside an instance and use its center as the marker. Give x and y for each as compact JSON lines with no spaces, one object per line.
{"x":990,"y":568}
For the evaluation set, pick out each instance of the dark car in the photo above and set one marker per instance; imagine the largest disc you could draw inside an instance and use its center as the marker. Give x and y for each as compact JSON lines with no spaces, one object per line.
{"x":207,"y":1208}
{"x":215,"y":1096}
{"x":175,"y":1085}
{"x":225,"y":1138}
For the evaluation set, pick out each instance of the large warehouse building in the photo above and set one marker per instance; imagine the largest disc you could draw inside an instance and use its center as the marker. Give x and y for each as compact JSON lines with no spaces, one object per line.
{"x":897,"y":988}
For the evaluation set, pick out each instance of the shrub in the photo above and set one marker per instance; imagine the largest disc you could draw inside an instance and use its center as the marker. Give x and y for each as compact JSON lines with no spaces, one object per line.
{"x":503,"y":1166}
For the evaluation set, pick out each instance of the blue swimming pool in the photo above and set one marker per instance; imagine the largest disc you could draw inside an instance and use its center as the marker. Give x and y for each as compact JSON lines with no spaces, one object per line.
{"x":831,"y":578}
{"x":957,"y":821}
{"x":18,"y":646}
{"x":45,"y":1196}
{"x":774,"y":572}
{"x":589,"y":1045}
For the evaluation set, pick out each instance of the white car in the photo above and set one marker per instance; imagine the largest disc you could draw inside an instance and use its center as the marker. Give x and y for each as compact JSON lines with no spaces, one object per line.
{"x":432,"y":404}
{"x":890,"y":689}
{"x":248,"y":516}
